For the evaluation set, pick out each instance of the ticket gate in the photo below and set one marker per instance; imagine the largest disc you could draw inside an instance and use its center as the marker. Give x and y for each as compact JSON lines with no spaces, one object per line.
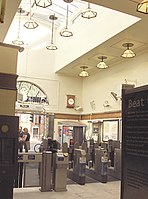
{"x":46,"y":172}
{"x":77,"y":173}
{"x":98,"y":169}
{"x":115,"y":171}
{"x":112,"y":145}
{"x":23,"y":160}
{"x":54,"y":171}
{"x":60,"y":171}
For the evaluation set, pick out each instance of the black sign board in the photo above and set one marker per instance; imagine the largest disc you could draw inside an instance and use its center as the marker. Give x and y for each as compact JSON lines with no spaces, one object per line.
{"x":8,"y":154}
{"x":134,"y":181}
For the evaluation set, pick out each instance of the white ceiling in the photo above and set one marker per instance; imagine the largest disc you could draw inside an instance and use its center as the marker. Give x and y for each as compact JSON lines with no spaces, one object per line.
{"x":112,"y":48}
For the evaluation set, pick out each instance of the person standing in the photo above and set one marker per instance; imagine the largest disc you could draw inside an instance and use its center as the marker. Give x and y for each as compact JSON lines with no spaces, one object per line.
{"x":26,"y":139}
{"x":20,"y":139}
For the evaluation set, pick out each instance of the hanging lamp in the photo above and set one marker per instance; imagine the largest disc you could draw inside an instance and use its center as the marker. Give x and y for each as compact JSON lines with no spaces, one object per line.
{"x":128,"y":53}
{"x":18,"y":41}
{"x":84,"y":73}
{"x":102,"y":64}
{"x":143,"y":7}
{"x":31,"y":24}
{"x":89,"y":13}
{"x":66,"y":32}
{"x":43,"y":3}
{"x":52,"y":46}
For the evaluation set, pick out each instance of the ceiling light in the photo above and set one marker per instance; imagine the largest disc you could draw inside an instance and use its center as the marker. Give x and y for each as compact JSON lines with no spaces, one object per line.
{"x":128,"y":53}
{"x":143,"y":7}
{"x":43,"y":3}
{"x":102,"y":64}
{"x":66,"y":32}
{"x":89,"y":13}
{"x":52,"y":46}
{"x":83,"y":73}
{"x":18,"y":41}
{"x":31,"y":24}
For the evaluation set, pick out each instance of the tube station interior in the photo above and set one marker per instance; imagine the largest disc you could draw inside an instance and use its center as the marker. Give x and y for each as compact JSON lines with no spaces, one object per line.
{"x":64,"y":67}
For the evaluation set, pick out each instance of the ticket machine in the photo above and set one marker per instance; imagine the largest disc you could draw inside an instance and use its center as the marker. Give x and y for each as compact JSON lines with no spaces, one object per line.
{"x":8,"y":154}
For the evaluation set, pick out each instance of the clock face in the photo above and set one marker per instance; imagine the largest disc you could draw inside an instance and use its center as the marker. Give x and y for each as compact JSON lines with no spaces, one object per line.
{"x":71,"y":101}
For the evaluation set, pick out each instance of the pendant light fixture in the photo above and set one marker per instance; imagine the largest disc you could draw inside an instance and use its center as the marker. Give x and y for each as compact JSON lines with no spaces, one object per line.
{"x":143,"y":7}
{"x":43,"y":3}
{"x":66,"y":32}
{"x":102,"y":64}
{"x":128,"y":53}
{"x":52,"y":46}
{"x":89,"y":13}
{"x":84,"y":73}
{"x":18,"y":41}
{"x":31,"y":24}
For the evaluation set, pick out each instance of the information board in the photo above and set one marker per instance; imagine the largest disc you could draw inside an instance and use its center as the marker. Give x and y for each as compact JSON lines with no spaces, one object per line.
{"x":110,"y":130}
{"x":134,"y":181}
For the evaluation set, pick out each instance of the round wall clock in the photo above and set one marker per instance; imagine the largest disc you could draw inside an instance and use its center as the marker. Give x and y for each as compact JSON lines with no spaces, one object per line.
{"x":71,"y":101}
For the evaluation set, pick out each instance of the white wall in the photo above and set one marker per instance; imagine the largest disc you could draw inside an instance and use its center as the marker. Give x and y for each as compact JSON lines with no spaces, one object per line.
{"x":37,"y":66}
{"x":99,"y":86}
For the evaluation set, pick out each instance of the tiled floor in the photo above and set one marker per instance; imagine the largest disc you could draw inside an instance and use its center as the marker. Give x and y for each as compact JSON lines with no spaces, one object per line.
{"x":109,"y":190}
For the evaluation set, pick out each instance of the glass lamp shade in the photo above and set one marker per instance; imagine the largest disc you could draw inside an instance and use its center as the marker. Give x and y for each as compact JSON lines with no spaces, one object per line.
{"x":18,"y":42}
{"x":128,"y":54}
{"x":51,"y":47}
{"x":31,"y":24}
{"x":84,"y":73}
{"x":66,"y":33}
{"x":143,"y":7}
{"x":102,"y":65}
{"x":89,"y":14}
{"x":43,"y":3}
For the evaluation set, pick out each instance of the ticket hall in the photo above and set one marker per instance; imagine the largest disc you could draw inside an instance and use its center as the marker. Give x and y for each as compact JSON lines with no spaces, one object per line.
{"x":73,"y":99}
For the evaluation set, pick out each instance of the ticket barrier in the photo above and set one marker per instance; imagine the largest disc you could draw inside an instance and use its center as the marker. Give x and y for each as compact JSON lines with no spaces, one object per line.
{"x":98,"y":169}
{"x":77,"y":173}
{"x":46,"y":172}
{"x":115,"y":171}
{"x":112,"y":145}
{"x":54,"y":171}
{"x":23,"y":159}
{"x":71,"y":155}
{"x":60,"y":171}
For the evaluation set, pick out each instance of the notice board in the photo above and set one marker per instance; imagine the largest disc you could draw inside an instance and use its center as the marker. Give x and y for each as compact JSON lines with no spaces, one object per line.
{"x":134,"y":180}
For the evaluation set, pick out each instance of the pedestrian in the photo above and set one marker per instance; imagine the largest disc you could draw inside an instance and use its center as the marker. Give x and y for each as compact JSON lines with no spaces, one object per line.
{"x":20,"y":139}
{"x":26,"y":139}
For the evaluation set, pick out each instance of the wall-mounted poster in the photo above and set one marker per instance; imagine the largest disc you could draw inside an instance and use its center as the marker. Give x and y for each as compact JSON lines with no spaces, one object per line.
{"x":110,"y":130}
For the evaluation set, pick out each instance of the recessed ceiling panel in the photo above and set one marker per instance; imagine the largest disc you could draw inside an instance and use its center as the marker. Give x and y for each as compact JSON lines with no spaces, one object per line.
{"x":137,"y":44}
